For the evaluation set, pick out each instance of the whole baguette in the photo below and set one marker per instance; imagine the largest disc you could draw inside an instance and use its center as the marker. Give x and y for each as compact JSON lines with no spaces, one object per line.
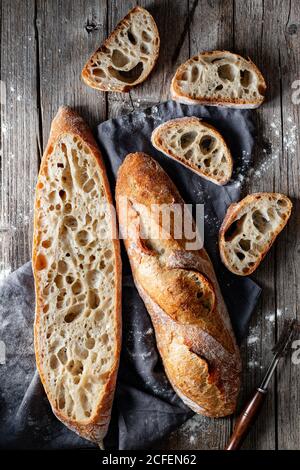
{"x":181,"y":293}
{"x":77,"y":355}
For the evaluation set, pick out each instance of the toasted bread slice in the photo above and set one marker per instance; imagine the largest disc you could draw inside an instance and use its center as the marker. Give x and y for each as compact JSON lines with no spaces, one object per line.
{"x":219,"y":78}
{"x":77,"y":270}
{"x":250,"y":228}
{"x":197,"y":145}
{"x":128,"y":55}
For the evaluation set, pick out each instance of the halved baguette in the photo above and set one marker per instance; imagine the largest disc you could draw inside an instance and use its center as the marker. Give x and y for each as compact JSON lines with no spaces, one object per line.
{"x":219,"y":78}
{"x":127,"y":57}
{"x":77,"y":271}
{"x":179,"y":288}
{"x":197,"y":145}
{"x":249,"y":229}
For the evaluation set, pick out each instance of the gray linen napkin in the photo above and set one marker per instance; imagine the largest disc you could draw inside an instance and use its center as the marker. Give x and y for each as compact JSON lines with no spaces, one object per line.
{"x":145,"y":407}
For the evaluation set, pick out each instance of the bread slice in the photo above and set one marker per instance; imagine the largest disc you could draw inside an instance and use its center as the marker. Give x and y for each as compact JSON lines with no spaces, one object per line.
{"x":197,"y":145}
{"x":219,"y":78}
{"x":77,"y":270}
{"x":127,"y":57}
{"x":250,"y":228}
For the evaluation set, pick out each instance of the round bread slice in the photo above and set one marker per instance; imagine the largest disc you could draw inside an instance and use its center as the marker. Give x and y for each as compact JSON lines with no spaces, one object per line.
{"x":249,"y":229}
{"x":77,"y":271}
{"x":197,"y":145}
{"x":219,"y":78}
{"x":127,"y":57}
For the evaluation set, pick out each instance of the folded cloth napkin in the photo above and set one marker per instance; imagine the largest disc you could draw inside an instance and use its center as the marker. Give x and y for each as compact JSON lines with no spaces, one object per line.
{"x":145,"y":407}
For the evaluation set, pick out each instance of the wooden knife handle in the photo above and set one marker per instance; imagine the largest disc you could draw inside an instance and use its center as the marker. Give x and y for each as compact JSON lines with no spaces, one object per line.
{"x":246,"y":419}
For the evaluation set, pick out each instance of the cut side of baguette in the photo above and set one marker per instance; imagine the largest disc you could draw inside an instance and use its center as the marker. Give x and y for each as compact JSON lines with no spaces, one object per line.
{"x":128,"y":55}
{"x":250,"y":228}
{"x":197,"y":145}
{"x":77,"y":270}
{"x":219,"y":78}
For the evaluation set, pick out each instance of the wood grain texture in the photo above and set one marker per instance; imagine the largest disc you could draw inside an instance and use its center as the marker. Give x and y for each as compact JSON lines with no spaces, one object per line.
{"x":68,"y":33}
{"x":19,"y":131}
{"x":255,"y":40}
{"x":44,"y":45}
{"x":266,"y":37}
{"x":211,"y":27}
{"x":287,"y":252}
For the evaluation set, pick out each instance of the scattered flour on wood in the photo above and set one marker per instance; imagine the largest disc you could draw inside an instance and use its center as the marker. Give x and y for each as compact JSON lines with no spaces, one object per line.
{"x":252,"y":340}
{"x":254,"y":337}
{"x":195,"y":428}
{"x":270,"y":317}
{"x":272,"y":151}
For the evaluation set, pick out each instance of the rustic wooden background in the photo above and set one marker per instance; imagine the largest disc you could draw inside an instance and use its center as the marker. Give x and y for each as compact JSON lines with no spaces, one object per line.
{"x":44,"y":45}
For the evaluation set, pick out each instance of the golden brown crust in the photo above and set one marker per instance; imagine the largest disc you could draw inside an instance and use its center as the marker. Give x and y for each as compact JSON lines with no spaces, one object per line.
{"x":86,"y":76}
{"x":232,"y":214}
{"x":69,"y":122}
{"x":181,"y":293}
{"x":178,"y":95}
{"x":186,"y":121}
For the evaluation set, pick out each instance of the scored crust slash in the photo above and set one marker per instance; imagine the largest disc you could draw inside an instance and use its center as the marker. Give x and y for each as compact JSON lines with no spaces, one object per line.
{"x":182,"y":296}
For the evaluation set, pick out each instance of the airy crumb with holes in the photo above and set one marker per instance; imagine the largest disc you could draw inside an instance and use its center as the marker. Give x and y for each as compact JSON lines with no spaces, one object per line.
{"x":197,"y":145}
{"x":78,"y":280}
{"x":219,"y":78}
{"x":250,"y":228}
{"x":128,"y":55}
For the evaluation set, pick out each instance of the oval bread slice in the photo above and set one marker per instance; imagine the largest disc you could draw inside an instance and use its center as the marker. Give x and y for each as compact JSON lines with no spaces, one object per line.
{"x":219,"y":78}
{"x":127,"y":57}
{"x":77,"y":270}
{"x":197,"y":145}
{"x":250,"y":228}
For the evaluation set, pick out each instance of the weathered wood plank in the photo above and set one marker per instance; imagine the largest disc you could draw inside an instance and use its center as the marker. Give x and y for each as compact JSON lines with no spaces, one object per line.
{"x":262,"y":37}
{"x":287,"y":250}
{"x":118,"y":103}
{"x":44,"y":46}
{"x":68,"y":33}
{"x":172,"y":19}
{"x":254,"y":40}
{"x":19,"y":131}
{"x":211,"y":27}
{"x":174,"y":49}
